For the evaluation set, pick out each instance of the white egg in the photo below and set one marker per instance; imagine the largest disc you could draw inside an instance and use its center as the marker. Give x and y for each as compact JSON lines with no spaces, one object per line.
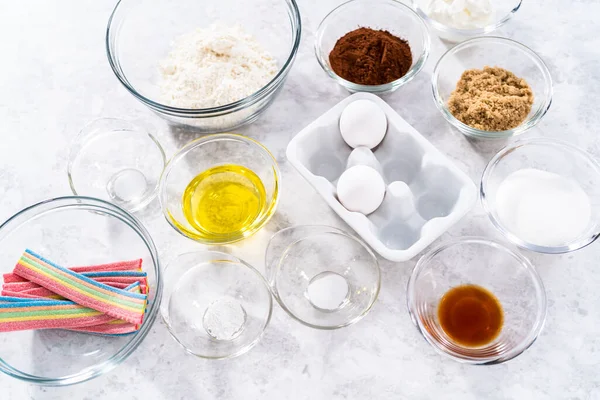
{"x":361,"y":189}
{"x":363,"y":123}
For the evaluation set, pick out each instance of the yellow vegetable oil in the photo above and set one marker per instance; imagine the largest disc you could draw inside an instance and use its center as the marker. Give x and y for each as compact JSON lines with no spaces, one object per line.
{"x":223,"y":200}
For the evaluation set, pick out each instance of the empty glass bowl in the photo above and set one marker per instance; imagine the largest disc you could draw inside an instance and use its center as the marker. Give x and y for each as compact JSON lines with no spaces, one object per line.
{"x":489,"y":264}
{"x":74,"y":231}
{"x":322,"y":276}
{"x":215,"y":305}
{"x":141,"y":32}
{"x":549,"y":155}
{"x":211,"y":151}
{"x":117,"y":161}
{"x":390,"y":15}
{"x":503,"y":10}
{"x":493,"y":52}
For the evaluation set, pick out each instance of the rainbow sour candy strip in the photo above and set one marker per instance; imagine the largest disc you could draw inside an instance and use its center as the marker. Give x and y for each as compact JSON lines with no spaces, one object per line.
{"x":116,"y":327}
{"x":97,"y":275}
{"x":84,"y":291}
{"x":18,"y":313}
{"x":23,"y":314}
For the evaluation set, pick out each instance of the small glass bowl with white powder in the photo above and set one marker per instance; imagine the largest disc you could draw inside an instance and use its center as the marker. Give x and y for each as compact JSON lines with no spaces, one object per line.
{"x":458,"y":20}
{"x":543,"y":195}
{"x":321,"y":276}
{"x":214,"y":304}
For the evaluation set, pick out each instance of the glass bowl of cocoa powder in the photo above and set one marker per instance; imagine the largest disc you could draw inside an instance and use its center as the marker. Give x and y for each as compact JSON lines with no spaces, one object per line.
{"x":373,"y":46}
{"x":492,"y":87}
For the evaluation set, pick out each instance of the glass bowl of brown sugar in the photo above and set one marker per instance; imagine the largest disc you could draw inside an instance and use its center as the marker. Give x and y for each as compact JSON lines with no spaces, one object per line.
{"x":373,"y":46}
{"x":492,"y":87}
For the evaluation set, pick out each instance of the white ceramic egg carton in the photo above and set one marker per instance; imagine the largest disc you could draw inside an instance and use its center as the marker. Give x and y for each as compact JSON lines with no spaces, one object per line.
{"x":426,"y":193}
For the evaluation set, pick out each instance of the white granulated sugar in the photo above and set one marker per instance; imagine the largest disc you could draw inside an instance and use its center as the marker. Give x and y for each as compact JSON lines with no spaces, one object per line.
{"x":214,"y":66}
{"x":542,"y":207}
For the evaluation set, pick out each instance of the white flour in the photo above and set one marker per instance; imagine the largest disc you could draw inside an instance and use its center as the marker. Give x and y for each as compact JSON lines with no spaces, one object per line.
{"x":543,"y":208}
{"x":213,"y":67}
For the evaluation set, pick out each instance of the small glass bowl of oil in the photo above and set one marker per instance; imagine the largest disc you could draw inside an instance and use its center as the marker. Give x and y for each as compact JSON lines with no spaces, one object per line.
{"x":220,"y":188}
{"x":477,"y":301}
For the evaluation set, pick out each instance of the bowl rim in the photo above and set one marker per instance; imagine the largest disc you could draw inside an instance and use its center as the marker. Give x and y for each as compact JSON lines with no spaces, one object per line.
{"x":326,"y":230}
{"x":241,"y":263}
{"x":137,"y":338}
{"x":467,"y":32}
{"x":490,"y":209}
{"x":272,"y":85}
{"x":523,"y":261}
{"x":139,"y":128}
{"x":386,"y":87}
{"x":478,"y":133}
{"x":180,"y":154}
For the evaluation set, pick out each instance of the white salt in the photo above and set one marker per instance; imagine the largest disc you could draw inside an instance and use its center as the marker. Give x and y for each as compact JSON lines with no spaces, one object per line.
{"x":543,"y":208}
{"x":328,"y":291}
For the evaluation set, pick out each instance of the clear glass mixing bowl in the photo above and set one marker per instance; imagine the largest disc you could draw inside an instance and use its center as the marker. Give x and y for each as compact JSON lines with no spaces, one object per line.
{"x":502,"y":271}
{"x":140,"y":34}
{"x":550,"y":155}
{"x":118,"y":161}
{"x":390,"y":15}
{"x":215,"y":305}
{"x":493,"y":52}
{"x":322,"y":276}
{"x":504,"y":10}
{"x":207,"y":152}
{"x":74,"y":231}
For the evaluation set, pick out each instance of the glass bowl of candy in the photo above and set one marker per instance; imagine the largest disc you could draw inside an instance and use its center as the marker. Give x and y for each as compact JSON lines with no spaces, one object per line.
{"x":322,"y":276}
{"x":543,"y":195}
{"x":220,"y":188}
{"x":215,"y":305}
{"x":458,"y":20}
{"x":213,"y":65}
{"x":392,"y":23}
{"x":80,"y":291}
{"x":477,"y":301}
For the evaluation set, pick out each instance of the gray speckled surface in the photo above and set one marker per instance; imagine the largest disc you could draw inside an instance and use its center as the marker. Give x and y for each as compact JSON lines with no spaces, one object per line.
{"x":54,"y":78}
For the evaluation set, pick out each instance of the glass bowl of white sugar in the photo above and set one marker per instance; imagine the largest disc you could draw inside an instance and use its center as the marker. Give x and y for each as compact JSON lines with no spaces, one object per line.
{"x":458,"y":20}
{"x":543,"y":195}
{"x":212,"y":65}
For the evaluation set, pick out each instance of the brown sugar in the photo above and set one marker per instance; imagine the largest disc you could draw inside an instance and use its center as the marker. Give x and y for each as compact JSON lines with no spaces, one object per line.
{"x":491,"y":99}
{"x":370,"y":57}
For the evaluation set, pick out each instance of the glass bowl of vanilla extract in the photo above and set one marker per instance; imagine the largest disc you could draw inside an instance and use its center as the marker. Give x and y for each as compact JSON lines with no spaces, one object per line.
{"x":220,"y":189}
{"x":477,"y":301}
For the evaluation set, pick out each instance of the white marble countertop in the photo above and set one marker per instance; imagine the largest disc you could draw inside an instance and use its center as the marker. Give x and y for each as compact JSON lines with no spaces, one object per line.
{"x":54,"y":77}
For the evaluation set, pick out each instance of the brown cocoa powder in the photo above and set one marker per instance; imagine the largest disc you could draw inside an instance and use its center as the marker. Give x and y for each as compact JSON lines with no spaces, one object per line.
{"x":370,"y":57}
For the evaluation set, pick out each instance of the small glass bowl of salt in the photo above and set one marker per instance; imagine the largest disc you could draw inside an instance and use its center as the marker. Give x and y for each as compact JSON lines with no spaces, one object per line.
{"x":543,"y":195}
{"x":322,"y":276}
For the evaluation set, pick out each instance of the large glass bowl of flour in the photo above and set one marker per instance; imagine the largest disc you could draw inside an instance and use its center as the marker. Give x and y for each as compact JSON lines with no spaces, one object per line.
{"x":543,"y":195}
{"x":213,"y":65}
